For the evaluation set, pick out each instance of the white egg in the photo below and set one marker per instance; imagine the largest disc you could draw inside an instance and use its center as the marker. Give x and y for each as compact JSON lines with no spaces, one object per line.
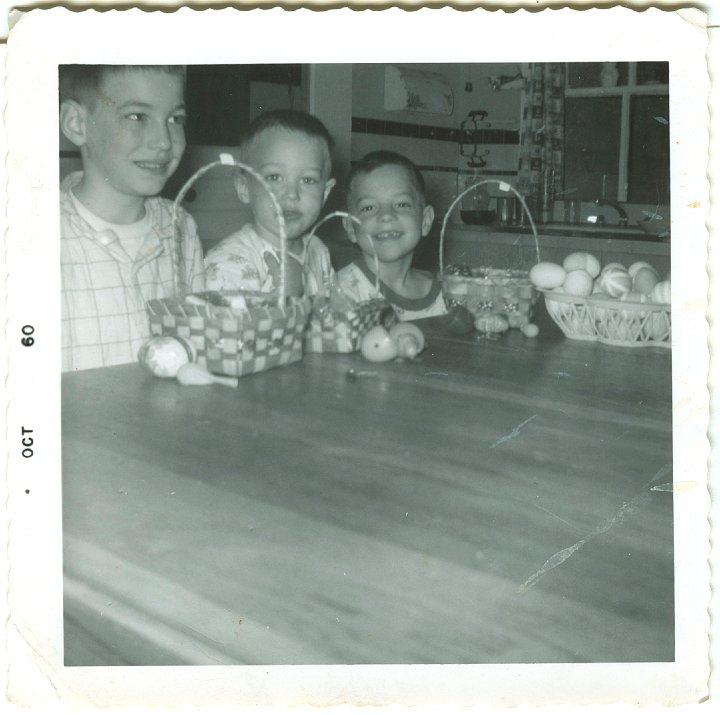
{"x":578,"y":283}
{"x":547,"y":275}
{"x":644,"y":279}
{"x":582,"y":261}
{"x":635,"y":267}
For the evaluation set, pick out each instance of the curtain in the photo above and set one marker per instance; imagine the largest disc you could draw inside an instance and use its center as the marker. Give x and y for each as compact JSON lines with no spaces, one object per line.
{"x":540,"y":166}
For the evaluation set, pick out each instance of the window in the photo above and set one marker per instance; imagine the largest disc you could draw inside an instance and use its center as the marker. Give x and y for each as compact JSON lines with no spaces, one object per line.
{"x":617,"y":132}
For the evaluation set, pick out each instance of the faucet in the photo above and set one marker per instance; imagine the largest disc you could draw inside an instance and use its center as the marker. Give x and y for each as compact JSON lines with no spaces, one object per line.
{"x":622,"y":215}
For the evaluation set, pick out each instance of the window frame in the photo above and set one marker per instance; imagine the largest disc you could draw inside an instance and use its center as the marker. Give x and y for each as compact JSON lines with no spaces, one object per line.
{"x":626,"y":92}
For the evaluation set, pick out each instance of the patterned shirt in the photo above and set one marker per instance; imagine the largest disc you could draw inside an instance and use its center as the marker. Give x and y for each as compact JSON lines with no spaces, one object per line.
{"x":358,"y":282}
{"x":245,"y":261}
{"x":104,"y":290}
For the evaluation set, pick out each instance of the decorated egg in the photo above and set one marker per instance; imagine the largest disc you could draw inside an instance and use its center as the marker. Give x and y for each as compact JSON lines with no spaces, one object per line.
{"x":644,"y":279}
{"x":612,"y":266}
{"x":661,"y":293}
{"x":489,"y":322}
{"x":530,"y":330}
{"x":582,"y":261}
{"x":164,"y":356}
{"x":615,"y":281}
{"x":547,"y":275}
{"x":578,"y":283}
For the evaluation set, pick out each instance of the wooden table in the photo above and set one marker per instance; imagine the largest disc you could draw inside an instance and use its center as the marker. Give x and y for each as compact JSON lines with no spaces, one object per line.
{"x":491,"y":502}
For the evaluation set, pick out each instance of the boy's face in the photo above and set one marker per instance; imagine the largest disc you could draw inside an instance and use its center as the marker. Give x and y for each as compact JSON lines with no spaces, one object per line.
{"x":133,"y":136}
{"x":296,"y":167}
{"x":393,"y":215}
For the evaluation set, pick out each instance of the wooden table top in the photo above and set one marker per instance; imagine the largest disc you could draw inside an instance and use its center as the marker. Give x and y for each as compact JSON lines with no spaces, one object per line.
{"x":490,"y":502}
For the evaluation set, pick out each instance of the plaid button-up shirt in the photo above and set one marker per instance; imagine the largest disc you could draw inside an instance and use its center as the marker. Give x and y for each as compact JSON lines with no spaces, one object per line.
{"x":104,"y":290}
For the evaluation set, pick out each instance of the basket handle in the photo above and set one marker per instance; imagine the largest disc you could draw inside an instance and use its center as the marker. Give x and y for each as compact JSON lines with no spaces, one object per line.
{"x":504,"y":186}
{"x":345,"y":214}
{"x":180,"y":289}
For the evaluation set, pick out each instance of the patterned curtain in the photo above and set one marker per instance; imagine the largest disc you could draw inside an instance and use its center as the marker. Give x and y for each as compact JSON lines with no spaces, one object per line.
{"x":542,"y":134}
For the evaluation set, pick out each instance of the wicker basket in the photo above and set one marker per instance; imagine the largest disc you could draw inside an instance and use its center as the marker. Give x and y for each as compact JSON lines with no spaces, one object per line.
{"x":614,"y":322}
{"x":337,"y":324}
{"x":481,"y":289}
{"x":239,"y":332}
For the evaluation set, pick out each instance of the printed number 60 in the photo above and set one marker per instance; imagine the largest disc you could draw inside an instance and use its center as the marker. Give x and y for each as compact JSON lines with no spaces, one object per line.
{"x":27,"y":331}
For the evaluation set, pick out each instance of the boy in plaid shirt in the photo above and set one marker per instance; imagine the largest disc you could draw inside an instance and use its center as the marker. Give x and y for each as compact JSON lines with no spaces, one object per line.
{"x":115,"y":232}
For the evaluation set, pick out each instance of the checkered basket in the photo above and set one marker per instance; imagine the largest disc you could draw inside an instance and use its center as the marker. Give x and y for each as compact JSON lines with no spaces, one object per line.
{"x":480,"y":289}
{"x":238,"y":332}
{"x":337,"y":324}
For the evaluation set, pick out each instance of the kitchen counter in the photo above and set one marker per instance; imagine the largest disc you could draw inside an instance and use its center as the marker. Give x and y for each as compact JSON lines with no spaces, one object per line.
{"x":514,"y":247}
{"x":493,"y":501}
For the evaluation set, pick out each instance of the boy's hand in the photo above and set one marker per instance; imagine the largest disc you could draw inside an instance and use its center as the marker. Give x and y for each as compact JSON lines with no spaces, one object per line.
{"x":293,"y":274}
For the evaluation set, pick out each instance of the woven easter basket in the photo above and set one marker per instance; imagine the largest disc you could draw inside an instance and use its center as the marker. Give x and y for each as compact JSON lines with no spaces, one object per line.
{"x":479,"y":289}
{"x":234,"y":332}
{"x":337,"y":324}
{"x":613,"y":322}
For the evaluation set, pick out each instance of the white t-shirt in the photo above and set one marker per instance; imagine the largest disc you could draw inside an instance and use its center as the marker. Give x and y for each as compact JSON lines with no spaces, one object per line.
{"x":131,"y":235}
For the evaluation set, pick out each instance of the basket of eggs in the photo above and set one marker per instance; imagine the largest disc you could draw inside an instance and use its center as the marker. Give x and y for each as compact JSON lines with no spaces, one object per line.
{"x":629,"y":307}
{"x":497,"y":298}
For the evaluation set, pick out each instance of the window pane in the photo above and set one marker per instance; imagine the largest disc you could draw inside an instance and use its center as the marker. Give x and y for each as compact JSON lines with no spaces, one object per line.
{"x":653,"y":72}
{"x":649,"y":170}
{"x":592,"y":147}
{"x":588,"y":74}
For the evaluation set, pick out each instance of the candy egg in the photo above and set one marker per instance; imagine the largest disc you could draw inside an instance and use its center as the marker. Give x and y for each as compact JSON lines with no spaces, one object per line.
{"x":578,"y":283}
{"x":164,"y":356}
{"x":530,"y":330}
{"x":547,"y":275}
{"x":408,"y":338}
{"x":644,"y":279}
{"x":582,"y":261}
{"x":615,"y":281}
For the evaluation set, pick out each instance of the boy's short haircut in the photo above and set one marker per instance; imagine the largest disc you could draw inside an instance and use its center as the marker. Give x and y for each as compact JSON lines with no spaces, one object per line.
{"x":292,"y":120}
{"x":82,"y":83}
{"x":377,"y":159}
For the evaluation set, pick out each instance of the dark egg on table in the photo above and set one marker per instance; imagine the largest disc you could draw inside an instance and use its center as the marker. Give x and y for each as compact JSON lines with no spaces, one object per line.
{"x":459,"y":320}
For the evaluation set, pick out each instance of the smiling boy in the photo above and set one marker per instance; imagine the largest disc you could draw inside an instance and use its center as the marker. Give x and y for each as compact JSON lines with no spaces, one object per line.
{"x":115,"y":233}
{"x":291,"y":151}
{"x":386,"y":194}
